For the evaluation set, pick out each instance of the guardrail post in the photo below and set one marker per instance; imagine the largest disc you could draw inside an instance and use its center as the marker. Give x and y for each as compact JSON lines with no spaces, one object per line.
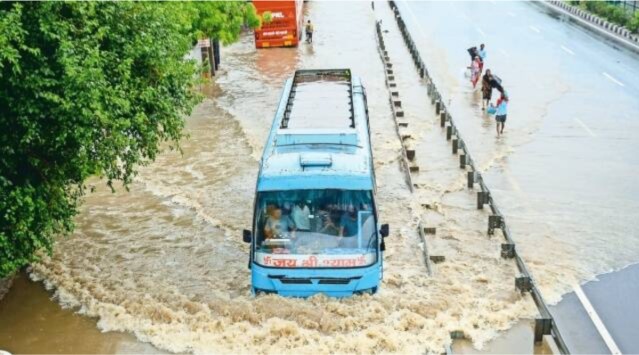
{"x":523,"y":283}
{"x":494,"y":221}
{"x":455,"y":145}
{"x":438,"y":107}
{"x":542,"y":327}
{"x":471,"y":179}
{"x":449,"y":132}
{"x":442,"y":119}
{"x":482,"y":198}
{"x":508,"y":250}
{"x":462,"y":161}
{"x":410,"y":154}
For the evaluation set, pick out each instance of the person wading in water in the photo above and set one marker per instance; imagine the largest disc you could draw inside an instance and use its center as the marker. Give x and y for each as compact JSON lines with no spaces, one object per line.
{"x":309,"y":32}
{"x":502,"y":111}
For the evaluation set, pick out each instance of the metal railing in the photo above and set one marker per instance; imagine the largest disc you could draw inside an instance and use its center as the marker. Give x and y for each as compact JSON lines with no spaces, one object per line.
{"x":408,"y":155}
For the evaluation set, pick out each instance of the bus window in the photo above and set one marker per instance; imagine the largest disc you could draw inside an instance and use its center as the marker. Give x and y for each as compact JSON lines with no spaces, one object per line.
{"x":322,"y":228}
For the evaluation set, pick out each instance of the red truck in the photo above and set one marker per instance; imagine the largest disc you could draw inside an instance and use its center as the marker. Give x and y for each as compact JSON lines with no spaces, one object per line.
{"x":286,"y":27}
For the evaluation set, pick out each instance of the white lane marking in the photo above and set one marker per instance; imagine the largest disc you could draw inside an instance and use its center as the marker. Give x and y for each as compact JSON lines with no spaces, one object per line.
{"x":481,"y":32}
{"x":594,"y":317}
{"x":583,"y":125}
{"x":504,"y":52}
{"x":567,"y":50}
{"x":613,"y":79}
{"x":511,"y":14}
{"x":534,"y":29}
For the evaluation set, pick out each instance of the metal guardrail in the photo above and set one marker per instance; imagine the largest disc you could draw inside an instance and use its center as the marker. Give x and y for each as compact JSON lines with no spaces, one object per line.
{"x":545,"y":323}
{"x":396,"y":105}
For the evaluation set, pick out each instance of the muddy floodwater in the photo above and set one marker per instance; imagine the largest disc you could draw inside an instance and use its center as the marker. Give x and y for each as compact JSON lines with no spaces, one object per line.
{"x":163,"y":267}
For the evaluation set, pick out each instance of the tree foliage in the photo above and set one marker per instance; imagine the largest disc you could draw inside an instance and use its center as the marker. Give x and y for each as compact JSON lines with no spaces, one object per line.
{"x":222,"y":20}
{"x":90,"y":88}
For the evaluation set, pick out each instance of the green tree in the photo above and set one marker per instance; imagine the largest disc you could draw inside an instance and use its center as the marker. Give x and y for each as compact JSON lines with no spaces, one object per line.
{"x":611,"y":12}
{"x":221,"y":20}
{"x":633,"y":23}
{"x":86,"y":89}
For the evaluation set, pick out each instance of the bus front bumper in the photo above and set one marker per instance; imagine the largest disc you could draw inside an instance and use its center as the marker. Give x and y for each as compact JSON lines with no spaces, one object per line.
{"x":308,"y":282}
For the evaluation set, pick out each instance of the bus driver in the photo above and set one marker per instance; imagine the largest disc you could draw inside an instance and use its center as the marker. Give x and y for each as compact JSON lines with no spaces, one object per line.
{"x":278,"y":226}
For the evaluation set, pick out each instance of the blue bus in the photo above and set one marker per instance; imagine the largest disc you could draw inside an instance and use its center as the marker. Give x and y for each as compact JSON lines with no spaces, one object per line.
{"x":315,"y":226}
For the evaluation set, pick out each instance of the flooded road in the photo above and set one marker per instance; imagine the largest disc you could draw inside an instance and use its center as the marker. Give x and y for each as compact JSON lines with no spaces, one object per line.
{"x":564,"y":172}
{"x":165,"y":261}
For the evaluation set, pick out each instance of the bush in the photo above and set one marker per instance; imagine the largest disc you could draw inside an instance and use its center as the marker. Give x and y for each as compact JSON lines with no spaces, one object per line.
{"x":633,"y":24}
{"x":612,"y":13}
{"x":618,"y":15}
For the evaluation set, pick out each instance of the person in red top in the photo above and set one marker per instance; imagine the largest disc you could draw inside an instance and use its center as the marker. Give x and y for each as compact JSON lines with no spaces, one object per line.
{"x":475,"y":71}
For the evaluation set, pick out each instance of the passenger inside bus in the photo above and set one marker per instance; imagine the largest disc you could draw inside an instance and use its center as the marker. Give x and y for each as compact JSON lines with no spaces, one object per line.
{"x":315,"y":222}
{"x":301,"y":216}
{"x":278,"y":225}
{"x":348,"y":223}
{"x":326,"y":218}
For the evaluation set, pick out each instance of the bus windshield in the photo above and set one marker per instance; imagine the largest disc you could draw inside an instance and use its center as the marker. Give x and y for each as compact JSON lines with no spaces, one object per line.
{"x":315,"y":228}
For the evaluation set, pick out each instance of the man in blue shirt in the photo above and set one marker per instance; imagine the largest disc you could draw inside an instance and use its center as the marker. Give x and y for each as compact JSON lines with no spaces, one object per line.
{"x":348,"y":227}
{"x":502,"y":111}
{"x":482,"y":56}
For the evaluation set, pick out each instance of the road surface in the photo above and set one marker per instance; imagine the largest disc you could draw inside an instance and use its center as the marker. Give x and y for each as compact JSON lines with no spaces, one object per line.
{"x":565,"y":172}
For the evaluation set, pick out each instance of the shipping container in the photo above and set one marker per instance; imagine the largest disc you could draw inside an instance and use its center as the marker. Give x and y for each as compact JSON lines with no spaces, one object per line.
{"x":286,"y":27}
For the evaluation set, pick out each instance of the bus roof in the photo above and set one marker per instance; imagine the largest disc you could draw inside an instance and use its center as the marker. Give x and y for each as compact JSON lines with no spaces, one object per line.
{"x":319,"y":137}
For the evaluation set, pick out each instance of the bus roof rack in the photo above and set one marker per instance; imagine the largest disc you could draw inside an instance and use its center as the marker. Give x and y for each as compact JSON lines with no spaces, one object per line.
{"x":320,"y":99}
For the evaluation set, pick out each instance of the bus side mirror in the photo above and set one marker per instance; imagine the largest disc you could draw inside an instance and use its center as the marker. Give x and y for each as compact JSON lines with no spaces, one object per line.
{"x":384,"y":231}
{"x":246,"y":236}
